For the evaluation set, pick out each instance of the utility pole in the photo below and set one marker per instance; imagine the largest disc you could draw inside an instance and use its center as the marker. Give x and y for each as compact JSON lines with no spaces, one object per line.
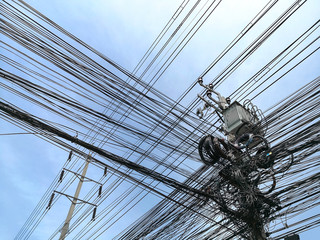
{"x":65,"y":227}
{"x":258,"y":233}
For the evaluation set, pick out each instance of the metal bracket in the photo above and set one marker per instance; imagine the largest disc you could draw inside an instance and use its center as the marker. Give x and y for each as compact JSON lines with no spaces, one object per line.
{"x":77,"y":175}
{"x":76,"y":199}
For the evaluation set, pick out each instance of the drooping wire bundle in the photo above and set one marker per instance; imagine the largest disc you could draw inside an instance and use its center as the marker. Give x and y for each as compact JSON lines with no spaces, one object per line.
{"x":152,"y":137}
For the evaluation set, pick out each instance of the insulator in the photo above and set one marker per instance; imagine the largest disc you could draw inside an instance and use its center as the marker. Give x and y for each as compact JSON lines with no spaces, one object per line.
{"x":100,"y":191}
{"x":70,"y":155}
{"x":50,"y":202}
{"x":61,"y":176}
{"x":105,"y":171}
{"x":199,"y":113}
{"x":94,"y":214}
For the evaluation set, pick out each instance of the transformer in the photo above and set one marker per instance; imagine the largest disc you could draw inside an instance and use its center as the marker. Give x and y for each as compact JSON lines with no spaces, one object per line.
{"x":238,"y":119}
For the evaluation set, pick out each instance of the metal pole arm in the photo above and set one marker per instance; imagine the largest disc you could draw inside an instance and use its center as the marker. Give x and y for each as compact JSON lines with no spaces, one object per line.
{"x":209,"y":103}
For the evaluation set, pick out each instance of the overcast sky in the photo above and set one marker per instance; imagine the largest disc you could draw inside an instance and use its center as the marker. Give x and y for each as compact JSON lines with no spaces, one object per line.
{"x":123,"y":30}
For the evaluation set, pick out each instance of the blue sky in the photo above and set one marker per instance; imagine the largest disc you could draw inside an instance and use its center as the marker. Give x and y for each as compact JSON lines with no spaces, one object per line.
{"x":123,"y":30}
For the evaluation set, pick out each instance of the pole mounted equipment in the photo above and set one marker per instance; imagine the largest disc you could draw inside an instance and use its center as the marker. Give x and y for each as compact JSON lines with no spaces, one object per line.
{"x":245,"y":158}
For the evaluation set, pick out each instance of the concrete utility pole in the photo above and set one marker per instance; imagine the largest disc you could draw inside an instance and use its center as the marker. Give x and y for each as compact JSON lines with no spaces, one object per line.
{"x":65,"y":227}
{"x":258,"y":234}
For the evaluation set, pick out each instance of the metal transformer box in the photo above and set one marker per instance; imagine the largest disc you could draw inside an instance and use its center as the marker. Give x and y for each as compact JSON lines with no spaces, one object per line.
{"x":235,"y":117}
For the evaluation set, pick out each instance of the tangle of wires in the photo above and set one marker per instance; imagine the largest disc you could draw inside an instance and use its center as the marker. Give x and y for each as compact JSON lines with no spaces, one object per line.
{"x":153,"y":138}
{"x":294,"y":135}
